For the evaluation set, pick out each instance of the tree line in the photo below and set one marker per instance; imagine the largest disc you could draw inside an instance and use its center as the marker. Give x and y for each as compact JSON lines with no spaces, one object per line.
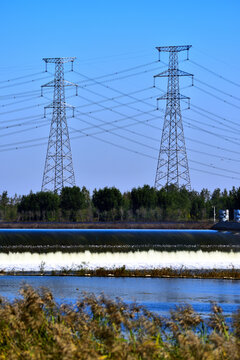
{"x":109,"y":204}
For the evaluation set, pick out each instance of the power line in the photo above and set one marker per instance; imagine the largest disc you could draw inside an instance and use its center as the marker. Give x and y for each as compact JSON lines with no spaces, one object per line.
{"x":20,"y":77}
{"x":20,"y":101}
{"x":145,"y":145}
{"x":19,"y":124}
{"x":108,"y":99}
{"x":213,"y":146}
{"x":132,"y":132}
{"x":117,"y":72}
{"x":222,"y":137}
{"x":216,"y":89}
{"x":19,"y":119}
{"x":233,"y":131}
{"x":217,"y":97}
{"x":214,"y":167}
{"x":25,"y":82}
{"x":194,"y":107}
{"x":24,"y":130}
{"x":215,"y":73}
{"x":22,"y":109}
{"x":211,"y":113}
{"x":118,"y":78}
{"x":104,"y":108}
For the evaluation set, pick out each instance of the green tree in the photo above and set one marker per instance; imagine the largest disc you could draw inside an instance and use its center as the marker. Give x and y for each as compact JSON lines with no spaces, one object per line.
{"x":108,"y":202}
{"x":4,"y":201}
{"x":73,"y":199}
{"x":40,"y":206}
{"x":143,"y":197}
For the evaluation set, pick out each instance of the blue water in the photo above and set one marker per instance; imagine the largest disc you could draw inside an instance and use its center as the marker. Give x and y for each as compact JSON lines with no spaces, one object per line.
{"x":158,"y":295}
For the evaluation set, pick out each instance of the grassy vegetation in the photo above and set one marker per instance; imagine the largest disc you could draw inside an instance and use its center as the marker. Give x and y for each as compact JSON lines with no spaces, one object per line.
{"x":232,"y":274}
{"x":35,"y":327}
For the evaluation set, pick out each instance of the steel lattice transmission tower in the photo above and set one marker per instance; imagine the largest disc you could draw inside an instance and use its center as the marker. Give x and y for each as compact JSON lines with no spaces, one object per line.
{"x":172,"y":167}
{"x":58,"y":169}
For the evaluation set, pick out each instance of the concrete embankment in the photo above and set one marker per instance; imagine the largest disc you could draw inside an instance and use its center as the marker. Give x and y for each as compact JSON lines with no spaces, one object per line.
{"x":227,"y":226}
{"x":201,"y":225}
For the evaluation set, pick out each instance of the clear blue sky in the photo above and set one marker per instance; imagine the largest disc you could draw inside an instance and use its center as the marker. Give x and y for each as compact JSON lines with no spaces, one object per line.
{"x":110,"y":36}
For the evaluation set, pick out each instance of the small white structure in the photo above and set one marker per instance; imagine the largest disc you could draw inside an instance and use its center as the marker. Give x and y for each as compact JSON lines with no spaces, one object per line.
{"x":224,"y":215}
{"x":237,"y":215}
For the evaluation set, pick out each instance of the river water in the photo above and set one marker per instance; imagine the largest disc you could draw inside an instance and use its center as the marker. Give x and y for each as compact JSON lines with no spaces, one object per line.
{"x":32,"y":250}
{"x":158,"y":295}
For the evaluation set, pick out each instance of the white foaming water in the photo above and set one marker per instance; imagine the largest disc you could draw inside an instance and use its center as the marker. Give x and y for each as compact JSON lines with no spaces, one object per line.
{"x":132,"y":260}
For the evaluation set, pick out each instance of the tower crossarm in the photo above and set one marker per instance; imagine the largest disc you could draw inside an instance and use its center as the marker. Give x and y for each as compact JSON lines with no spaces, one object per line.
{"x":52,"y":83}
{"x":59,"y":104}
{"x":174,"y":72}
{"x":173,"y":96}
{"x":60,"y":60}
{"x":173,"y":48}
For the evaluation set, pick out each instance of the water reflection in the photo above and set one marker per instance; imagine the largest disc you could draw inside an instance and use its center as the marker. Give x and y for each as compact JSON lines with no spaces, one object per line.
{"x":159,"y":295}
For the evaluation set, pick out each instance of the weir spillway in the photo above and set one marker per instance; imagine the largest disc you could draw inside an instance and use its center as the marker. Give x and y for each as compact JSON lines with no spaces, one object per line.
{"x":28,"y":250}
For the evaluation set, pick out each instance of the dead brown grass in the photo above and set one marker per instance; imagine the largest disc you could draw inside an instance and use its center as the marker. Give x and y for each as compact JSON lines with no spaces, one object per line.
{"x":35,"y":327}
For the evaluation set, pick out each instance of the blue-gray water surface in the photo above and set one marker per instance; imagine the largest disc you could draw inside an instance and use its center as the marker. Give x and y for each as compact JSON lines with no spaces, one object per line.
{"x":158,"y":295}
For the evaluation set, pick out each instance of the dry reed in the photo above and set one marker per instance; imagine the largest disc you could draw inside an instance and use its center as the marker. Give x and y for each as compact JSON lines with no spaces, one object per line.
{"x":35,"y":327}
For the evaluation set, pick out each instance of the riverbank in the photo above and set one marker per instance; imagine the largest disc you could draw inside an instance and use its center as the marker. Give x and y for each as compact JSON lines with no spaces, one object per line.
{"x":108,"y":225}
{"x":227,"y":274}
{"x":227,"y":226}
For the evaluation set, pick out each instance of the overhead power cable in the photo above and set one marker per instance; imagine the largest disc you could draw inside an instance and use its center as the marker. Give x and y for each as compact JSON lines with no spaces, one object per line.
{"x":118,"y":72}
{"x":20,"y":124}
{"x":22,"y":94}
{"x":233,"y":131}
{"x":216,"y":89}
{"x":24,"y":130}
{"x":20,"y":101}
{"x":108,"y":99}
{"x":217,"y":97}
{"x":22,"y":109}
{"x":212,"y":146}
{"x":21,"y":77}
{"x":193,"y":161}
{"x":215,"y":174}
{"x":25,"y":82}
{"x":115,"y":79}
{"x":215,"y":73}
{"x":223,"y":123}
{"x":222,"y":137}
{"x":112,"y":131}
{"x":214,"y":167}
{"x":213,"y":114}
{"x":104,"y":108}
{"x":200,"y":110}
{"x":19,"y":119}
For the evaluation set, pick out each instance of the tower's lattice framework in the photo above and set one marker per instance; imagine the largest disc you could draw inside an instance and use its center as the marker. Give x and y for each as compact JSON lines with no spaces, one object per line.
{"x":58,"y":169}
{"x":172,"y":167}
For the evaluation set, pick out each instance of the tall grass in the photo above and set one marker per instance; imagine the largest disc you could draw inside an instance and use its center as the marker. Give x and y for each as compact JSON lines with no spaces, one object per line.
{"x":35,"y":327}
